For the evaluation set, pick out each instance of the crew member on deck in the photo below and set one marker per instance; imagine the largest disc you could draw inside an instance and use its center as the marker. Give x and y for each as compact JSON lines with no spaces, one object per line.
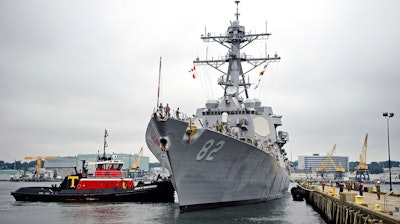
{"x":177,"y":113}
{"x":167,"y":111}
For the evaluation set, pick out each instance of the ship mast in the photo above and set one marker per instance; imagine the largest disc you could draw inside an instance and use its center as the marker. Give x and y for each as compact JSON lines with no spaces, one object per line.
{"x":105,"y":144}
{"x":235,"y":39}
{"x":159,"y":83}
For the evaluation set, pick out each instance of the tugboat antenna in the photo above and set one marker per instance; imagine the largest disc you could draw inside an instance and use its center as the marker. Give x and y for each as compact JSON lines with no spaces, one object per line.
{"x":105,"y":143}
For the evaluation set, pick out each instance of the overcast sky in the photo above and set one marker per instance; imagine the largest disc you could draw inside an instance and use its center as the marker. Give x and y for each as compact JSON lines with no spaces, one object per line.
{"x":70,"y":69}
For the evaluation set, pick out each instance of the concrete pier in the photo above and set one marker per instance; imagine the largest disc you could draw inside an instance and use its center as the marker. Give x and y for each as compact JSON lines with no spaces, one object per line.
{"x":349,"y":207}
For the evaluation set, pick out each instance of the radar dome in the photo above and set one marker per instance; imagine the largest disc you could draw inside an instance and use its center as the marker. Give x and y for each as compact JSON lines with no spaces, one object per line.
{"x":249,"y":103}
{"x":212,"y":104}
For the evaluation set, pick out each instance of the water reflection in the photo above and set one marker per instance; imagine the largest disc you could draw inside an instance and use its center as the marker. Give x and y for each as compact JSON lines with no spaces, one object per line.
{"x":283,"y":210}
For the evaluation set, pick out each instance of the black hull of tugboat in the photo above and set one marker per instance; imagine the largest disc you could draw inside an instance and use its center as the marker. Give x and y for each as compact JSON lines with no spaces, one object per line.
{"x":155,"y":192}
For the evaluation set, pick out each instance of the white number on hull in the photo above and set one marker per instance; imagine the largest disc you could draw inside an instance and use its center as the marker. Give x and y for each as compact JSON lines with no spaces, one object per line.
{"x":209,"y":144}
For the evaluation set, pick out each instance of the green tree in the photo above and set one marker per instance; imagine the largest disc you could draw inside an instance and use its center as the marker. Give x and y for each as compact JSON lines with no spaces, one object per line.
{"x":17,"y":165}
{"x":385,"y":164}
{"x":375,"y":168}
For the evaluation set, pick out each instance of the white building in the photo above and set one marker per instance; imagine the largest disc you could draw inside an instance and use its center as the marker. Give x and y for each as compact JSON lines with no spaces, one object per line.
{"x":315,"y":161}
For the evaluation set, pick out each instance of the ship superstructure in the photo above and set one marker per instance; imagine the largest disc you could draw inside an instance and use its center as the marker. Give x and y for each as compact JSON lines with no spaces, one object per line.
{"x":230,"y":152}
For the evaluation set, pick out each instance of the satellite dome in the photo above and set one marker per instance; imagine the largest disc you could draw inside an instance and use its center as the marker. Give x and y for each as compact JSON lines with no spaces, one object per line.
{"x":212,"y":104}
{"x":249,"y":103}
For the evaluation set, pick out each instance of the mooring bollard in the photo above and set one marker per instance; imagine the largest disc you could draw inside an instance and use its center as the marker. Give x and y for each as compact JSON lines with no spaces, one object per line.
{"x":333,"y":191}
{"x":358,"y":199}
{"x":377,"y":207}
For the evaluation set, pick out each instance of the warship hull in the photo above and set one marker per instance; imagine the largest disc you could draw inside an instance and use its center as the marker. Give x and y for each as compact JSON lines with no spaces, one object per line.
{"x":231,"y":151}
{"x":210,"y":169}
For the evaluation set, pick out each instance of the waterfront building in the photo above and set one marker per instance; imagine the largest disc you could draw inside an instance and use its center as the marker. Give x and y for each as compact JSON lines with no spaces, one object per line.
{"x":315,"y":161}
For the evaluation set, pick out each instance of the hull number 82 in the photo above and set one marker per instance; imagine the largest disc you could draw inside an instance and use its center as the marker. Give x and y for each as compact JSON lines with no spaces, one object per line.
{"x":208,"y":149}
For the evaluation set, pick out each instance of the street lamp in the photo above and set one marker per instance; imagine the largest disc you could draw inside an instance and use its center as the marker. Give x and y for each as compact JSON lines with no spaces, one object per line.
{"x":388,"y":115}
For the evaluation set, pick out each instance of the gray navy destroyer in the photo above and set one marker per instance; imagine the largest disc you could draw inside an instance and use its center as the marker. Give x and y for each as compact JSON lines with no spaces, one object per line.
{"x":230,"y":152}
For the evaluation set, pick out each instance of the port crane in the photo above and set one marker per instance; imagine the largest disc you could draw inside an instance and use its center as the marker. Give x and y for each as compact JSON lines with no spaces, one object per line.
{"x":339,"y":170}
{"x":362,"y":170}
{"x":135,"y":166}
{"x":39,"y":160}
{"x":321,"y":170}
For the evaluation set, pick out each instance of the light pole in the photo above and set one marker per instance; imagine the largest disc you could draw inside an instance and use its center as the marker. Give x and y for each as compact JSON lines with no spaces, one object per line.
{"x":388,"y":115}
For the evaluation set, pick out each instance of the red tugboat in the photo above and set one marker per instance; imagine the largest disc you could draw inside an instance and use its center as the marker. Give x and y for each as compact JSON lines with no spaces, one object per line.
{"x":106,"y":184}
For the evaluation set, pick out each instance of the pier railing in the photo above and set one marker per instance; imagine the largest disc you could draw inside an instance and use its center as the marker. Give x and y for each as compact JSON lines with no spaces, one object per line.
{"x":385,"y":198}
{"x":340,"y":210}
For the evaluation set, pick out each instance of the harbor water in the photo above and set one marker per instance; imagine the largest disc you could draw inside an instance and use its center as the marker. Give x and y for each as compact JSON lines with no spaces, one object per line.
{"x":283,"y":210}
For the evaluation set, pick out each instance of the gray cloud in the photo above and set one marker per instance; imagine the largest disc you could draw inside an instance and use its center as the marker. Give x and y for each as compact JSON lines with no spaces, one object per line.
{"x":70,"y":69}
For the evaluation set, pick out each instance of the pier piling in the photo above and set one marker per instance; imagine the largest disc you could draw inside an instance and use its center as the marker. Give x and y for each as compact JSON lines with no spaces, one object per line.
{"x":349,"y":207}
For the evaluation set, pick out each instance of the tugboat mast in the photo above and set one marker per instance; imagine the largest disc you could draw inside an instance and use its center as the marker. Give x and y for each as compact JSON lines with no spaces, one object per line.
{"x":235,"y":39}
{"x":105,"y":144}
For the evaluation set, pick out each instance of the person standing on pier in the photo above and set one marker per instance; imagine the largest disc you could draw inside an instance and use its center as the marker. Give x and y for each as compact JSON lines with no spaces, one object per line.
{"x":378,"y":189}
{"x":361,"y":188}
{"x":341,"y":186}
{"x":348,"y":186}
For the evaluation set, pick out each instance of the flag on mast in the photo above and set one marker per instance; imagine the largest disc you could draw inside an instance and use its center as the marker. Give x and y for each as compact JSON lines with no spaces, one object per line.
{"x":262,"y":72}
{"x":193,"y":71}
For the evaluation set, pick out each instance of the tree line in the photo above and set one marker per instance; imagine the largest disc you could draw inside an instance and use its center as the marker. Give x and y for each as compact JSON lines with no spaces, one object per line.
{"x":18,"y":165}
{"x":373,"y":167}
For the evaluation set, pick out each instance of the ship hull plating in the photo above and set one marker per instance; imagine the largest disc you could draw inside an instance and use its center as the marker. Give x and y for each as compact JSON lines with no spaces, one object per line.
{"x":211,"y":169}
